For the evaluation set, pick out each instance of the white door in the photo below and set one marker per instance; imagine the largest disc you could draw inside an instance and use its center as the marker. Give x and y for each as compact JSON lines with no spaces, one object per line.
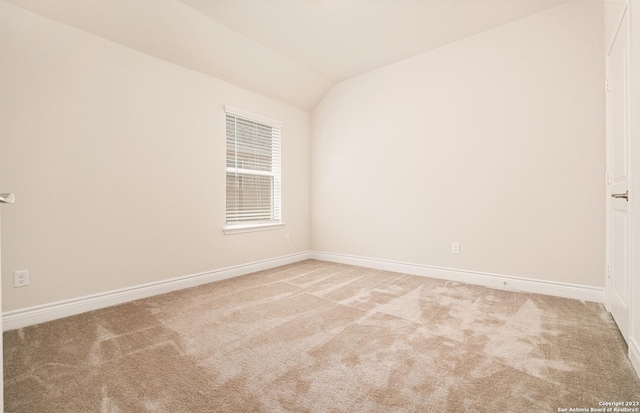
{"x":618,"y":271}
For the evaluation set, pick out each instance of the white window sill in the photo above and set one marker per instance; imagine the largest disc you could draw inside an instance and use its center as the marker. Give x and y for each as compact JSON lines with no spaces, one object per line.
{"x":240,"y":229}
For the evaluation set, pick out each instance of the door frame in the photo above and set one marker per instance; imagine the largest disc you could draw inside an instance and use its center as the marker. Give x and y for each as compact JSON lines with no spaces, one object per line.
{"x":1,"y":328}
{"x":633,"y":19}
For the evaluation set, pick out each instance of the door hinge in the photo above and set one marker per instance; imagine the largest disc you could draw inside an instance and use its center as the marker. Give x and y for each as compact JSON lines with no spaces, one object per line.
{"x":607,"y":85}
{"x":608,"y":271}
{"x":608,"y":178}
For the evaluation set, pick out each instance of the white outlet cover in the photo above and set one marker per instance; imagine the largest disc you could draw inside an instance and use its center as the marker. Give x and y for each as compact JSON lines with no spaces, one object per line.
{"x":21,"y":278}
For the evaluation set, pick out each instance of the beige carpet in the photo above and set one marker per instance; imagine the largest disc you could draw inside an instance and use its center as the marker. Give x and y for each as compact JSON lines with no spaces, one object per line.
{"x":321,"y":337}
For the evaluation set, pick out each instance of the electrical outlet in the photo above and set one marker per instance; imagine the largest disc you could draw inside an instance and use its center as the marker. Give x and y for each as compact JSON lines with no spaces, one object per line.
{"x":21,"y":278}
{"x":286,"y":239}
{"x":455,"y":248}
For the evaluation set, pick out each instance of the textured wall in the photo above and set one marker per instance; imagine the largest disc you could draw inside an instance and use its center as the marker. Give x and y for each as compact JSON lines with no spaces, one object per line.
{"x":117,"y":160}
{"x":495,"y":142}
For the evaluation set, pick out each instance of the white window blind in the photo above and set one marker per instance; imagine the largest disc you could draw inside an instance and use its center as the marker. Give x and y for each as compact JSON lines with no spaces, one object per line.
{"x":253,"y":169}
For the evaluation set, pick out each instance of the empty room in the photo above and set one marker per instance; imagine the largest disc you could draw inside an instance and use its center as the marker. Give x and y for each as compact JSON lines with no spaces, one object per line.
{"x":320,"y":205}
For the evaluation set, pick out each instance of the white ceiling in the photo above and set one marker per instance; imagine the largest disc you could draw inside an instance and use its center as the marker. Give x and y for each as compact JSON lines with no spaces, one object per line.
{"x":338,"y":39}
{"x":289,"y":50}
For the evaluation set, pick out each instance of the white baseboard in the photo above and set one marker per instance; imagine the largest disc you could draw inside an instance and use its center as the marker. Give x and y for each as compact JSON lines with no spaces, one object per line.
{"x":634,"y":354}
{"x":499,"y":281}
{"x":47,"y":312}
{"x":33,"y":315}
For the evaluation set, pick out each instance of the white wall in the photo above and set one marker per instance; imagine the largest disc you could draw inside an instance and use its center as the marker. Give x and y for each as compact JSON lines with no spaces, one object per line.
{"x":117,"y":160}
{"x":495,"y":141}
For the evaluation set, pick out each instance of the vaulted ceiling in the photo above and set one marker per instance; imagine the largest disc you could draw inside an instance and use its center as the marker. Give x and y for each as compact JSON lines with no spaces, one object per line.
{"x":289,"y":50}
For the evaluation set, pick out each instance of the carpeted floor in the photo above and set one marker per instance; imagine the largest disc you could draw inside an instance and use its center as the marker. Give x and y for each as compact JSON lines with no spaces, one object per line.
{"x":322,"y":337}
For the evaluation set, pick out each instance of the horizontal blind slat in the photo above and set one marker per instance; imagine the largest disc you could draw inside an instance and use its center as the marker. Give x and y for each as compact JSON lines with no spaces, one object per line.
{"x":253,"y":171}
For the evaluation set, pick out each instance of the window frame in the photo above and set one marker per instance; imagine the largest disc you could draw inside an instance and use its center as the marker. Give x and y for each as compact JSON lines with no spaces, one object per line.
{"x":238,"y":227}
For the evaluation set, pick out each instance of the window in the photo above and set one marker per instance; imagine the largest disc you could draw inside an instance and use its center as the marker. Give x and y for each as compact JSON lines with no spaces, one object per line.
{"x":253,"y":171}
